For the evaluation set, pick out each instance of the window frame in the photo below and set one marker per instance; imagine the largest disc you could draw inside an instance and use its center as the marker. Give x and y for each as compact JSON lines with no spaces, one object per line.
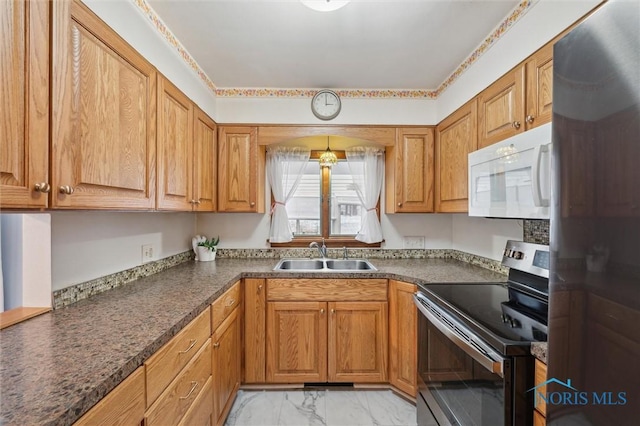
{"x":325,"y":213}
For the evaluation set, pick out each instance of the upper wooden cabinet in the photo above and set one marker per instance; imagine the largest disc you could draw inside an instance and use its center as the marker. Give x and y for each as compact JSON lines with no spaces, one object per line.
{"x":204,"y":163}
{"x":501,"y":108}
{"x":518,"y":101}
{"x":240,"y":170}
{"x":456,"y":137}
{"x":410,"y":171}
{"x":539,"y":92}
{"x":175,"y":148}
{"x":24,"y":104}
{"x":104,"y":120}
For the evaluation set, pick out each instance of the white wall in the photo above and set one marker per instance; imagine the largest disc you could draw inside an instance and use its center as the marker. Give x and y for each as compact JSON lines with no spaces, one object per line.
{"x":26,"y":260}
{"x":88,"y":245}
{"x":354,"y":111}
{"x":128,"y":21}
{"x":484,"y":237}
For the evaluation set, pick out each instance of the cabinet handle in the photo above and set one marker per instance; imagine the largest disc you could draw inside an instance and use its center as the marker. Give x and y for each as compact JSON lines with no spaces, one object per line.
{"x":322,"y":311}
{"x":516,"y":124}
{"x":43,"y":187}
{"x":66,"y":189}
{"x":194,"y":385}
{"x":399,"y":204}
{"x":216,"y":345}
{"x":231,"y":302}
{"x":333,"y":311}
{"x":192,"y":344}
{"x":252,"y":204}
{"x":529,"y":119}
{"x":259,"y":288}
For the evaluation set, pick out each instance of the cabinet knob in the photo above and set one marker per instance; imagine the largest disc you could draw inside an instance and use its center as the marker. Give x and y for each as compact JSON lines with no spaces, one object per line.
{"x":399,"y":204}
{"x":42,"y":187}
{"x":516,"y":124}
{"x":252,"y":204}
{"x":333,"y":311}
{"x":529,"y":119}
{"x":192,"y":201}
{"x":216,"y":345}
{"x":66,"y":189}
{"x":259,"y":288}
{"x":322,"y":311}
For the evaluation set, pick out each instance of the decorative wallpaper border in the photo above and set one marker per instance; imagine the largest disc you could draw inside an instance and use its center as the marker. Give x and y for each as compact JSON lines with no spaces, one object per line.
{"x":75,"y":293}
{"x":515,"y":15}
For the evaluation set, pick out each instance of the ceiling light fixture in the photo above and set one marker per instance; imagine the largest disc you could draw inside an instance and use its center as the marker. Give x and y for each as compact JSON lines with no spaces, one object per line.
{"x":324,"y":5}
{"x":328,"y":158}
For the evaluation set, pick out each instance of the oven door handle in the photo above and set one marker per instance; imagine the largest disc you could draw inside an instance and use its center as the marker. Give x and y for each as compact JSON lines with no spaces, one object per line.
{"x":493,"y":362}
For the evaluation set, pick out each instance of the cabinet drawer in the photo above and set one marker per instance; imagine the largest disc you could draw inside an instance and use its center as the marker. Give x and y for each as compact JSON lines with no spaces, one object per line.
{"x":224,"y":305}
{"x":178,"y":397}
{"x":202,"y":408}
{"x":540,"y":377}
{"x":323,"y":289}
{"x":122,"y":406}
{"x":165,"y":364}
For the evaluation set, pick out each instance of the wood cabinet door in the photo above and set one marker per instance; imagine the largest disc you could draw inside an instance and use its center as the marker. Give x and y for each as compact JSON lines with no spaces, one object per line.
{"x":501,"y":109}
{"x":227,"y":356}
{"x":403,"y":337}
{"x":296,"y":342}
{"x":539,"y":91}
{"x":175,"y":148}
{"x":104,"y":120}
{"x":204,"y":163}
{"x":456,"y":137}
{"x":255,"y":310}
{"x":410,"y":172}
{"x":24,"y":104}
{"x":240,"y":170}
{"x":358,"y":342}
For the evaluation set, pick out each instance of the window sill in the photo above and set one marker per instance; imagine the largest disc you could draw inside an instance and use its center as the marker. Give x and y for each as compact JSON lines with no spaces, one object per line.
{"x":335,"y":242}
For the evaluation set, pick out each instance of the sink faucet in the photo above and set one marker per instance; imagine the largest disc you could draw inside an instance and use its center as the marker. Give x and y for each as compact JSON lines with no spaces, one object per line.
{"x":322,"y":249}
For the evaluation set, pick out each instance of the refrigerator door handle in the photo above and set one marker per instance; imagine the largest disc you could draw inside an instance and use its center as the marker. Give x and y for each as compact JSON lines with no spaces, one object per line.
{"x":538,"y":201}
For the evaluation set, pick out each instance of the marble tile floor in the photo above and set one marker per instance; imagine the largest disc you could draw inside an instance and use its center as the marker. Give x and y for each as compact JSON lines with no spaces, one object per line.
{"x":321,"y":407}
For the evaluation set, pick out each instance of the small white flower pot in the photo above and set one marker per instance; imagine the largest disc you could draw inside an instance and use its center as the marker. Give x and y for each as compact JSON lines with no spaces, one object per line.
{"x":206,"y":255}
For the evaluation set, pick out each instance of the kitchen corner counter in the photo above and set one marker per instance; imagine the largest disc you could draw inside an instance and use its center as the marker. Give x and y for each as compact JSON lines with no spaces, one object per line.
{"x":539,"y":350}
{"x":58,"y":365}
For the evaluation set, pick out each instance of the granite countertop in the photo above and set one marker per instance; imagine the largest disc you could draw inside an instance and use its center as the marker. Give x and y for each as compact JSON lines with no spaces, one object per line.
{"x":56,"y":366}
{"x":539,"y":350}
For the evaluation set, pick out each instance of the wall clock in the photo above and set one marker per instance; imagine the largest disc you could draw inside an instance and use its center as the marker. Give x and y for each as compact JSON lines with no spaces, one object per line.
{"x":326,"y":104}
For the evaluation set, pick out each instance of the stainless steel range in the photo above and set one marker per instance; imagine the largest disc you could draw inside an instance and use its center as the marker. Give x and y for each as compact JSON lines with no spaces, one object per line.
{"x":474,"y":360}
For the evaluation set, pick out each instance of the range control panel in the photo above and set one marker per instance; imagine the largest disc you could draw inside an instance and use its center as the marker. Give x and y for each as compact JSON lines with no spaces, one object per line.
{"x":527,"y":257}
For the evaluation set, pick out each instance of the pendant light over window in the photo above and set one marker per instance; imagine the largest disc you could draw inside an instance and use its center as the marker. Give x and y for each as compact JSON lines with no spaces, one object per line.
{"x":328,"y":158}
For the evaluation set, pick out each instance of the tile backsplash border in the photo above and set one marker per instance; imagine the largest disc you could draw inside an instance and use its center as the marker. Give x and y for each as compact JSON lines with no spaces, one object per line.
{"x":72,"y":294}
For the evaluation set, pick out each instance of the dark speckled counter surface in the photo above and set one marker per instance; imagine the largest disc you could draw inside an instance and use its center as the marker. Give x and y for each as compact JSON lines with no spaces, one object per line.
{"x":54,"y":367}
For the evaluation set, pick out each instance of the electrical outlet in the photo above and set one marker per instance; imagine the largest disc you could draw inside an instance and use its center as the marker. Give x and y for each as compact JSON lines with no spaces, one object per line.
{"x":147,"y":253}
{"x":413,"y":242}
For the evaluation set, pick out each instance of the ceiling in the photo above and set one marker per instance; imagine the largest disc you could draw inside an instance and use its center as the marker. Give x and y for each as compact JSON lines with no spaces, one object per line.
{"x":400,"y":44}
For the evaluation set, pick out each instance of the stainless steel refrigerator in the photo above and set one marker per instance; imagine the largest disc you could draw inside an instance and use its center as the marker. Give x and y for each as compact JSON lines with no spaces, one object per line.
{"x":594,"y":302}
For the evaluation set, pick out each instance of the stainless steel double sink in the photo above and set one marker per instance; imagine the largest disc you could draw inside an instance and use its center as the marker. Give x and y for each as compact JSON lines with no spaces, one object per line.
{"x":324,"y":265}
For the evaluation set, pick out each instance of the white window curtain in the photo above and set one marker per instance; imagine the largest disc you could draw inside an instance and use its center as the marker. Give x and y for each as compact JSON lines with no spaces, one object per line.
{"x":366,"y":165}
{"x":285,"y":166}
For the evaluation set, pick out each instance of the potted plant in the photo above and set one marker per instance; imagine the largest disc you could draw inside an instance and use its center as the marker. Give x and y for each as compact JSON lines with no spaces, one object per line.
{"x":207,"y":249}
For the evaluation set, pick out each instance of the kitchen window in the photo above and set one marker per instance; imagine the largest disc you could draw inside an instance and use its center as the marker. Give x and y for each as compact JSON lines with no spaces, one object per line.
{"x":325,"y":205}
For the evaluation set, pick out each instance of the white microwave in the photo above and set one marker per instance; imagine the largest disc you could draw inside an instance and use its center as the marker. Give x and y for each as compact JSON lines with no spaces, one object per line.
{"x":512,"y":178}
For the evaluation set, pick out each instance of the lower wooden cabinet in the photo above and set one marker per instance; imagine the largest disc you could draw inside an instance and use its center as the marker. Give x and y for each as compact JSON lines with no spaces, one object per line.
{"x":326,"y":341}
{"x":226,"y":364}
{"x":122,"y":406}
{"x":540,"y":411}
{"x":201,"y":411}
{"x":255,"y":330}
{"x":403,"y":337}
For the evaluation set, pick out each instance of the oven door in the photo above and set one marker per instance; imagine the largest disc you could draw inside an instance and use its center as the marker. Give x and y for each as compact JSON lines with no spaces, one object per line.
{"x":461,"y":382}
